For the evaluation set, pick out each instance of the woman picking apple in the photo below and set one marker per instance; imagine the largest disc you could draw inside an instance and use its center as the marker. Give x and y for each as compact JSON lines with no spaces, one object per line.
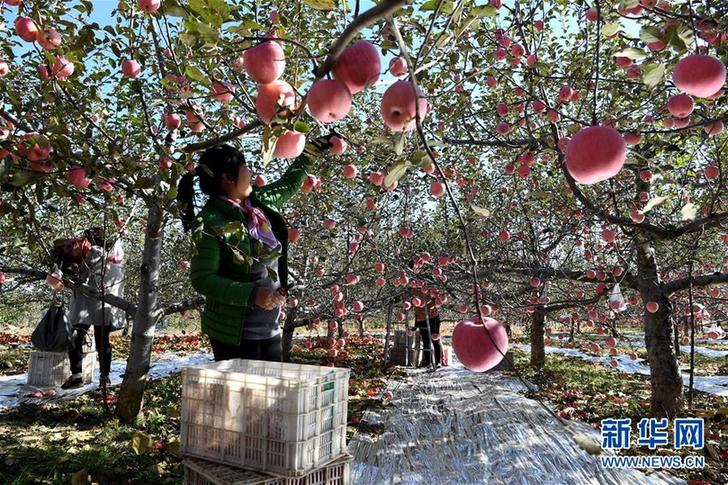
{"x":240,"y":242}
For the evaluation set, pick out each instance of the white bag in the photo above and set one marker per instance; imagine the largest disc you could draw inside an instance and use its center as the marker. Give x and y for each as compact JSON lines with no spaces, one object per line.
{"x":116,"y":255}
{"x":616,"y":300}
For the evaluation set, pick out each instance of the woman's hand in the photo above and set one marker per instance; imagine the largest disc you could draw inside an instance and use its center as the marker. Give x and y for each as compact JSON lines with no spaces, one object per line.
{"x":268,"y":299}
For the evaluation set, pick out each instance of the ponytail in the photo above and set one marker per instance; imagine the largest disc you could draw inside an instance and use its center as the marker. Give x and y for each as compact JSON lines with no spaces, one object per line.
{"x":186,"y":200}
{"x":214,"y":162}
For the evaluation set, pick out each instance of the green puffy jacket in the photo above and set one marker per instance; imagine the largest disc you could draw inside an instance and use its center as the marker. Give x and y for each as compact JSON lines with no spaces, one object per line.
{"x":220,"y":267}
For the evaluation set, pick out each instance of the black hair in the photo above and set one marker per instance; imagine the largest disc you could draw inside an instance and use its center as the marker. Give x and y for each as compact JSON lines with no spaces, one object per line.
{"x":96,"y":236}
{"x":214,"y":162}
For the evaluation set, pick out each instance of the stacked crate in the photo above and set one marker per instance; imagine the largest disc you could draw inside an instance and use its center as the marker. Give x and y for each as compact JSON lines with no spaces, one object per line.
{"x":405,"y":348}
{"x":266,"y":422}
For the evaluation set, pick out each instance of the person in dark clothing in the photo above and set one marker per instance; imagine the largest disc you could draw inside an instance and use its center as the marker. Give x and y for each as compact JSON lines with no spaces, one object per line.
{"x":242,"y":273}
{"x":421,"y":324}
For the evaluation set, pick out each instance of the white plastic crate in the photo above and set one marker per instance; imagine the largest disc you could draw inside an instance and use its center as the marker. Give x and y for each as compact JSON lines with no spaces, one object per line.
{"x":272,"y":417}
{"x":202,"y":472}
{"x":48,"y":369}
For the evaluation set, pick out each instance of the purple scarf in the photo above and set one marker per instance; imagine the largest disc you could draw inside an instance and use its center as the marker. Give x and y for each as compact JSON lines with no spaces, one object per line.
{"x":258,"y":223}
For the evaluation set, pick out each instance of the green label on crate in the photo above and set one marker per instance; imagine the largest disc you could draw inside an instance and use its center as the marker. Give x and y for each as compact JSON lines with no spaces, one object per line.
{"x":328,"y":387}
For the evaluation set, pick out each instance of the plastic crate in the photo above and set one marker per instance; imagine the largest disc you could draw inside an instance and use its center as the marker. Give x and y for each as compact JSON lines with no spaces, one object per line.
{"x":202,"y":472}
{"x":48,"y":369}
{"x":271,"y":417}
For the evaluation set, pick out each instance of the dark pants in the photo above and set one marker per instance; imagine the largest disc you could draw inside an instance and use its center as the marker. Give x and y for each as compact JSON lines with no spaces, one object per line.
{"x":268,"y":349}
{"x":103,"y":347}
{"x":421,"y":325}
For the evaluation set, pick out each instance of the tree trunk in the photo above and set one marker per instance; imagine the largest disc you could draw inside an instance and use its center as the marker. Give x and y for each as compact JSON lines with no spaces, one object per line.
{"x":361,"y":327}
{"x":131,"y":395}
{"x":538,"y":352}
{"x":667,"y":387}
{"x":571,"y":333}
{"x":288,"y":330}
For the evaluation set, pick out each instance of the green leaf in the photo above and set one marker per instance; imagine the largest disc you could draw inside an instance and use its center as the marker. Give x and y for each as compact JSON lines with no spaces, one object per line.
{"x":428,"y":6}
{"x":484,"y":11}
{"x":650,"y":33}
{"x":689,"y":212}
{"x":633,"y":53}
{"x":480,"y":211}
{"x":267,"y":146}
{"x":321,"y":4}
{"x":611,"y":29}
{"x":196,"y":74}
{"x":395,"y":173}
{"x":652,"y":74}
{"x":398,"y":141}
{"x":141,"y":443}
{"x":652,"y":203}
{"x":233,"y":229}
{"x":301,"y":126}
{"x":175,"y":11}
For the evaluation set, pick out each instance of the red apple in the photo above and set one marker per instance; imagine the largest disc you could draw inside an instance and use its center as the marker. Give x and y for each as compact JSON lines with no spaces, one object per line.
{"x":172,"y":120}
{"x":62,"y":68}
{"x":223,"y":91}
{"x":131,"y":68}
{"x":328,"y":100}
{"x":680,"y":105}
{"x":329,"y":223}
{"x":398,"y":106}
{"x":712,"y":172}
{"x":592,"y":14}
{"x":49,"y":39}
{"x":265,"y":62}
{"x":715,"y":128}
{"x":699,"y":75}
{"x":293,"y":235}
{"x":398,"y":66}
{"x":149,"y":6}
{"x":358,"y":66}
{"x":437,"y":189}
{"x":595,"y":153}
{"x":290,"y":145}
{"x":26,"y":29}
{"x":77,"y":177}
{"x":271,"y":96}
{"x":479,"y":349}
{"x":350,"y":171}
{"x":653,"y":306}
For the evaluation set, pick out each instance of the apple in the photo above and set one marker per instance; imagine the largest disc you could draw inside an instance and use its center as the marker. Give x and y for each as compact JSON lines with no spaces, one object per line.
{"x":350,"y":171}
{"x":329,"y":223}
{"x":62,"y":68}
{"x":328,"y":100}
{"x":290,"y":144}
{"x":131,"y":68}
{"x":27,"y":30}
{"x":260,"y":180}
{"x":358,"y":306}
{"x":712,"y":172}
{"x":715,"y":128}
{"x":699,"y":75}
{"x":680,"y":105}
{"x":77,"y":177}
{"x":653,"y":306}
{"x":398,"y":106}
{"x":592,"y":14}
{"x":172,"y":120}
{"x":632,"y":138}
{"x":609,"y":235}
{"x":371,"y":204}
{"x":149,"y":6}
{"x":49,"y":39}
{"x":265,"y":62}
{"x":358,"y":67}
{"x":595,"y":153}
{"x":504,"y":236}
{"x":271,"y":96}
{"x":223,"y":91}
{"x":338,"y":145}
{"x":437,"y":189}
{"x":479,"y":347}
{"x":398,"y":66}
{"x":184,"y":265}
